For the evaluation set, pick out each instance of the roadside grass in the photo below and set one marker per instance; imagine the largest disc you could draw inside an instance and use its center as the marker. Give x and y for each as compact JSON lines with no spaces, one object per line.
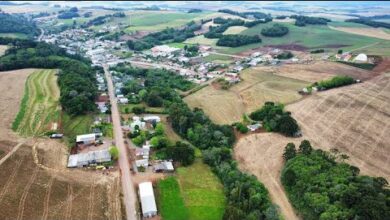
{"x":170,"y":200}
{"x":129,"y":107}
{"x":40,"y":104}
{"x":202,"y":191}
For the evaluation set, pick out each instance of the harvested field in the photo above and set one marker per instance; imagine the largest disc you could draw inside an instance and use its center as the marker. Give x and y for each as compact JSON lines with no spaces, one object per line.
{"x":354,"y":119}
{"x":258,"y":86}
{"x":40,"y":106}
{"x":3,"y":48}
{"x":369,"y":32}
{"x":34,"y":191}
{"x":261,"y":155}
{"x":11,"y":89}
{"x":235,"y":30}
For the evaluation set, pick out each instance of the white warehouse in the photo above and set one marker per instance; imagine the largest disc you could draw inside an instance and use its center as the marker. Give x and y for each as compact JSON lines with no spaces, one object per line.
{"x":148,"y":203}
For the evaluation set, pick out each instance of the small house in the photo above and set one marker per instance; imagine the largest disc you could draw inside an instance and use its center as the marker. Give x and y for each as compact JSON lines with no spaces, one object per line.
{"x":254,"y":127}
{"x":148,"y":202}
{"x":152,"y":119}
{"x":92,"y":157}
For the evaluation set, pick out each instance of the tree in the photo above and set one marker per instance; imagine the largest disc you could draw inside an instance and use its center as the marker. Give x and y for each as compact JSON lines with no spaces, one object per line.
{"x":305,"y":147}
{"x":181,"y":152}
{"x":114,"y":152}
{"x":289,"y":151}
{"x":159,"y":129}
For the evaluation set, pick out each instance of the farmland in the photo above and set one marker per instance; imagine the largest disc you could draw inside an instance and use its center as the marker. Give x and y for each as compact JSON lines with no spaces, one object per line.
{"x":14,"y":35}
{"x":202,"y":192}
{"x":369,"y":32}
{"x":39,"y":107}
{"x":258,"y":86}
{"x":3,"y":48}
{"x":171,"y":202}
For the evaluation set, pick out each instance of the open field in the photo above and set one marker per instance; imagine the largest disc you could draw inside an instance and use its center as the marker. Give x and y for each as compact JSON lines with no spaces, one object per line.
{"x":201,"y":40}
{"x":235,"y":30}
{"x":14,"y":35}
{"x":202,"y":192}
{"x":72,"y":126}
{"x":12,"y":85}
{"x":171,"y":203}
{"x":369,"y":32}
{"x":40,"y":104}
{"x":381,"y":48}
{"x":27,"y":8}
{"x":261,"y":155}
{"x":3,"y":48}
{"x":258,"y":85}
{"x":31,"y":190}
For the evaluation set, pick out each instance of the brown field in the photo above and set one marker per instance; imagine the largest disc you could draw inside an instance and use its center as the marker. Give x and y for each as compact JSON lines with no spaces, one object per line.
{"x":11,"y":89}
{"x":369,"y":32}
{"x":3,"y":48}
{"x":353,"y":119}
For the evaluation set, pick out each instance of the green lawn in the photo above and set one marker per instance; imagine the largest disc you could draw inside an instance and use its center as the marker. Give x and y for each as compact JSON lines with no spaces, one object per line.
{"x":218,"y":58}
{"x":129,"y":107}
{"x":309,"y":36}
{"x":170,"y":200}
{"x":73,"y":126}
{"x":202,"y":192}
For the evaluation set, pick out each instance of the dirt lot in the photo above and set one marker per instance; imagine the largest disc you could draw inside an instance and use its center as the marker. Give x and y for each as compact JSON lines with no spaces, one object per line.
{"x":11,"y":89}
{"x":369,"y":32}
{"x":258,"y":85}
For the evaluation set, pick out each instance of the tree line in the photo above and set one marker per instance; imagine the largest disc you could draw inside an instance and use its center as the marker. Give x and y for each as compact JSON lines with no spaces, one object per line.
{"x":76,"y":77}
{"x":164,"y":36}
{"x":320,"y":187}
{"x":10,"y":23}
{"x":335,"y":82}
{"x":301,"y":20}
{"x":369,"y":22}
{"x":246,"y":197}
{"x":257,"y":15}
{"x":276,"y":30}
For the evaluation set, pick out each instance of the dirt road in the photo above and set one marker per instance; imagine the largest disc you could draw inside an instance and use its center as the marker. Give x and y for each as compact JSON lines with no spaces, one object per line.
{"x":127,"y":183}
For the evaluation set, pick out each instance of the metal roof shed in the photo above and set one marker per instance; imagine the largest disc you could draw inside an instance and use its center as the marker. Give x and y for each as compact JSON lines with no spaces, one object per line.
{"x":148,"y":203}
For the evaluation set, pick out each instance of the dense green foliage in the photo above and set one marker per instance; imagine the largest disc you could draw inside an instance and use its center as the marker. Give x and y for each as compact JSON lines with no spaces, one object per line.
{"x":321,"y":188}
{"x":274,"y":118}
{"x":194,"y":10}
{"x":301,"y":20}
{"x":246,"y":197}
{"x":318,"y":51}
{"x":167,"y":35}
{"x":257,"y":15}
{"x":180,"y":152}
{"x":68,"y":14}
{"x":171,"y":202}
{"x":285,"y":55}
{"x":335,"y":82}
{"x":236,"y":40}
{"x":276,"y":30}
{"x":76,"y":78}
{"x":10,"y":23}
{"x":242,"y":128}
{"x":114,"y":152}
{"x":369,"y":22}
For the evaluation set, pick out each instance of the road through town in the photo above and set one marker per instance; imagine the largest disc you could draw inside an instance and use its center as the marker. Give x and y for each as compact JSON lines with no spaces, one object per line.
{"x":127,"y":184}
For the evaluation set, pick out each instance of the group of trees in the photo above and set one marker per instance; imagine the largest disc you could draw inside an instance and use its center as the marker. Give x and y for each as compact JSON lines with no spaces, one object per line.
{"x":71,"y":13}
{"x":76,"y":77}
{"x":17,"y":24}
{"x":301,"y":20}
{"x":164,"y":36}
{"x":257,"y":15}
{"x":335,"y":82}
{"x":103,"y":19}
{"x":246,"y":197}
{"x":274,"y":118}
{"x":236,"y":40}
{"x":369,"y":22}
{"x":195,"y":10}
{"x":285,"y":55}
{"x":276,"y":30}
{"x":321,"y":188}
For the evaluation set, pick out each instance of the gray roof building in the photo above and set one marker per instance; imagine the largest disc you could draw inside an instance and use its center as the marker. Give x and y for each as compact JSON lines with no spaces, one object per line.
{"x":84,"y":159}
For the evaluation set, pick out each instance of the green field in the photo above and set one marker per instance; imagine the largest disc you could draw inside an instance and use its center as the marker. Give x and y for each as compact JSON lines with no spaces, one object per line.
{"x":171,"y":203}
{"x":73,"y":126}
{"x":40,"y":106}
{"x":202,"y":192}
{"x":218,"y":59}
{"x":14,"y":35}
{"x":128,"y":107}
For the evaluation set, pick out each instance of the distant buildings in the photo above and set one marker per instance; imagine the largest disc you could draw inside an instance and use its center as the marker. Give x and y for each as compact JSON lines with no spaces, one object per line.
{"x":163,"y":50}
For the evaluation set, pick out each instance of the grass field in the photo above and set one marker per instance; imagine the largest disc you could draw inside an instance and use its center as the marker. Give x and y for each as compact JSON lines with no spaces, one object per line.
{"x":202,"y":192}
{"x":128,"y":107}
{"x":201,"y":40}
{"x":218,"y":58}
{"x":40,"y":105}
{"x":171,"y":203}
{"x":258,"y":86}
{"x":14,"y":35}
{"x":235,"y":30}
{"x":73,"y":126}
{"x":3,"y":48}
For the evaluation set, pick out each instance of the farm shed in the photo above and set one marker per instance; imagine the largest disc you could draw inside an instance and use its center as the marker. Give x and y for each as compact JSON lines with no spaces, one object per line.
{"x":86,"y":138}
{"x":152,"y":118}
{"x":361,"y":58}
{"x":165,"y":166}
{"x":84,"y":159}
{"x":142,"y":163}
{"x":148,"y":203}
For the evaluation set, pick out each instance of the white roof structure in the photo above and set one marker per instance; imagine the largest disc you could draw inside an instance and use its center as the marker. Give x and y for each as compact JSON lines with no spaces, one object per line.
{"x":142,"y":163}
{"x":164,"y":49}
{"x":83,"y":159}
{"x":148,"y":202}
{"x":152,"y":118}
{"x":361,"y":58}
{"x":86,"y":137}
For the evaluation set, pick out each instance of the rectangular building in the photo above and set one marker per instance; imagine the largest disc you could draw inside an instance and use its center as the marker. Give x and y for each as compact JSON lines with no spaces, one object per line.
{"x":148,"y":203}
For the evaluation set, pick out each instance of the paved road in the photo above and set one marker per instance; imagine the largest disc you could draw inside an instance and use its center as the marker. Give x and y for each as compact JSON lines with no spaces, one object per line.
{"x":127,"y":183}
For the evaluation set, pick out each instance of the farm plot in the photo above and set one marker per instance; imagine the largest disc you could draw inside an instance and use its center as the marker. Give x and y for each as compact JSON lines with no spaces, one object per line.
{"x":202,"y":192}
{"x":353,"y":119}
{"x":258,"y":86}
{"x":3,"y":48}
{"x":369,"y":32}
{"x":12,"y":85}
{"x":39,"y":106}
{"x":29,"y":191}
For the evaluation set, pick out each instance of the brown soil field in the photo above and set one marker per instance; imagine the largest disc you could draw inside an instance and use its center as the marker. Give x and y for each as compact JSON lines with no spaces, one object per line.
{"x":353,"y":119}
{"x":369,"y":32}
{"x":11,"y":89}
{"x":31,"y":190}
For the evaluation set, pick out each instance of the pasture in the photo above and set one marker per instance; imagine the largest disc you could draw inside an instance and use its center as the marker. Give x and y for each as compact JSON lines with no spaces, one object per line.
{"x":202,"y":191}
{"x":235,"y":30}
{"x":40,"y":104}
{"x":14,"y":35}
{"x":258,"y":85}
{"x":72,"y":126}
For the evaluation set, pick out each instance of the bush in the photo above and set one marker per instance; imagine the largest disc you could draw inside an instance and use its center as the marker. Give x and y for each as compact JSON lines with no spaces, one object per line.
{"x":138,"y":110}
{"x":336,"y":81}
{"x":114,"y":152}
{"x":181,"y":152}
{"x":242,"y":128}
{"x":285,"y":55}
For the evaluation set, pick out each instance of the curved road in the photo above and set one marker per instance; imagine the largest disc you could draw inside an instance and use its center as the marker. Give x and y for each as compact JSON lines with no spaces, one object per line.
{"x":127,"y":184}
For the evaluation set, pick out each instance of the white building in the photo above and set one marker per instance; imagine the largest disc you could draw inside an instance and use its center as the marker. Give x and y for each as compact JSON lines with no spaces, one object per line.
{"x":361,"y":58}
{"x":152,"y":118}
{"x":163,"y":50}
{"x":86,"y":138}
{"x":123,"y":100}
{"x":148,"y":203}
{"x":142,"y":163}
